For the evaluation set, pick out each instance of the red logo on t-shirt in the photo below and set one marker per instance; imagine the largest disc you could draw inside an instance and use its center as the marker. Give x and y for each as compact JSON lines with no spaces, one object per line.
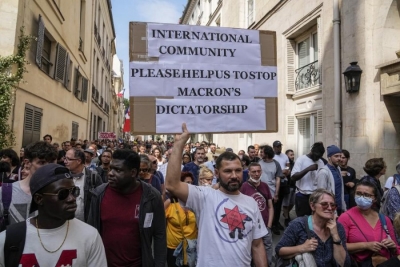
{"x":66,"y":257}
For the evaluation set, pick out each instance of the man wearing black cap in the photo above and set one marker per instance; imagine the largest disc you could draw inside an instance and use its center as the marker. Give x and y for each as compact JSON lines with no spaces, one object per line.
{"x":329,"y":177}
{"x":54,"y":237}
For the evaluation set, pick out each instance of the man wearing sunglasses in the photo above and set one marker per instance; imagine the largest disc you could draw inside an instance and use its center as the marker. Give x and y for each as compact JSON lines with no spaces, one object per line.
{"x":129,"y":215}
{"x":54,"y":237}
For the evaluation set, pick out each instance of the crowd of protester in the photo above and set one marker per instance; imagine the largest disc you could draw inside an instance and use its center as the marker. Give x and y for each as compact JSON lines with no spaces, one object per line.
{"x":156,"y":203}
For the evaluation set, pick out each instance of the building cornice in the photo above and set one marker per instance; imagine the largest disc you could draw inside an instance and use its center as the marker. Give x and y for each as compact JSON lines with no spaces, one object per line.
{"x":268,"y":15}
{"x":215,"y":13}
{"x":187,"y":11}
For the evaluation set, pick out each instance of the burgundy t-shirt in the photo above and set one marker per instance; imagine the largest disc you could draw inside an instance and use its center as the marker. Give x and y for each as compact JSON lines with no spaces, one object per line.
{"x":120,"y":227}
{"x":249,"y":190}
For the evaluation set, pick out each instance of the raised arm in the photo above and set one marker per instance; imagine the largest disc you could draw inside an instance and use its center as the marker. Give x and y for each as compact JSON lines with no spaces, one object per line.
{"x":172,"y":181}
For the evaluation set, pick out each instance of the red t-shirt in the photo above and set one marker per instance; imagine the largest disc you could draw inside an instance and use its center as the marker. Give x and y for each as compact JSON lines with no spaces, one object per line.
{"x":120,"y":227}
{"x":249,"y":190}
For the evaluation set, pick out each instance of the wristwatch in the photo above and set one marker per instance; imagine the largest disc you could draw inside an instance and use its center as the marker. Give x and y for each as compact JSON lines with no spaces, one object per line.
{"x":337,"y":242}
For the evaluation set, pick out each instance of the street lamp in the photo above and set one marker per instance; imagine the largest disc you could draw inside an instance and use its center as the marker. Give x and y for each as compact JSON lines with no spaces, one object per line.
{"x":352,"y":77}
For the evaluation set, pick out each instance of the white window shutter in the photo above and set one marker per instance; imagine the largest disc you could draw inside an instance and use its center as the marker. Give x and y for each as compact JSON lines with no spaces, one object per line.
{"x":290,"y":65}
{"x":40,"y":41}
{"x":290,"y":120}
{"x":61,"y":64}
{"x":319,"y":122}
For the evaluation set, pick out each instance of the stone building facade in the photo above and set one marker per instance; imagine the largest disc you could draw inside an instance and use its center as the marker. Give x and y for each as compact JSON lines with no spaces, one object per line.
{"x":69,"y":71}
{"x":369,"y":33}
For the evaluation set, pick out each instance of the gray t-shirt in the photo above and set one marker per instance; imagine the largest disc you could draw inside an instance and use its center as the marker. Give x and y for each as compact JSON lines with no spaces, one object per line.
{"x":20,"y":204}
{"x":270,"y":170}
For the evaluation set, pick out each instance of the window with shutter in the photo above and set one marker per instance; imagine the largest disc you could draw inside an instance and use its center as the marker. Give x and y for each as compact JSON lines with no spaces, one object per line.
{"x":75,"y":130}
{"x":40,"y":40}
{"x":84,"y":89}
{"x":319,"y":122}
{"x":78,"y":85}
{"x":68,"y":70}
{"x":32,"y":124}
{"x":290,"y":124}
{"x":61,"y":64}
{"x":291,"y":45}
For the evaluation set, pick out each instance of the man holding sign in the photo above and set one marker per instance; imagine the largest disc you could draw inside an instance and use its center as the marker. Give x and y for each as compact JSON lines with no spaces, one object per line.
{"x":230,"y":224}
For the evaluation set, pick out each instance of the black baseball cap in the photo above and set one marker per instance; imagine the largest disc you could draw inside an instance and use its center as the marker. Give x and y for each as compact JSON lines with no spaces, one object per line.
{"x":46,"y":175}
{"x":277,"y":143}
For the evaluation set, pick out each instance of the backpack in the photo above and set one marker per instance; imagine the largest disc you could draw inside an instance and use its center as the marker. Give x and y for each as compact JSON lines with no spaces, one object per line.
{"x":14,"y":244}
{"x":6,"y":195}
{"x":385,"y":201}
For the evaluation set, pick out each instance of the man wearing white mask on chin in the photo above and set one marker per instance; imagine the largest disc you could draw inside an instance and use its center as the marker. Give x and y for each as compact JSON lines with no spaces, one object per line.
{"x":259,"y":190}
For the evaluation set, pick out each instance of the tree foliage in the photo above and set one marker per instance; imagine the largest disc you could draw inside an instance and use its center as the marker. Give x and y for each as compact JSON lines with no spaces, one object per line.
{"x":126,"y":102}
{"x":12,"y":69}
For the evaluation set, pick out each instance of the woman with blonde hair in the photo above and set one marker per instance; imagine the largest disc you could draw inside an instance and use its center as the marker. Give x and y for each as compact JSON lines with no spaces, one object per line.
{"x":318,"y":234}
{"x":206,"y":176}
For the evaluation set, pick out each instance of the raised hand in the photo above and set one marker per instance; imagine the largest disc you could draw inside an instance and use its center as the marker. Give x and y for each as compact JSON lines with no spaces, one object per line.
{"x":181,"y":139}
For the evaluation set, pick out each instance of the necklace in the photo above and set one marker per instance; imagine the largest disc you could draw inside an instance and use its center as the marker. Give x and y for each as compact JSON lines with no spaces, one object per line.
{"x":37,"y":228}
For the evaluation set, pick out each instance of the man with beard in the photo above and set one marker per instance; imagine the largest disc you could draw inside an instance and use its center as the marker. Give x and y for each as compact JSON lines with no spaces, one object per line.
{"x":194,"y":166}
{"x":230,"y":222}
{"x":304,"y":173}
{"x":350,"y":180}
{"x":105,"y":160}
{"x":329,"y":177}
{"x":51,"y":238}
{"x":259,"y":190}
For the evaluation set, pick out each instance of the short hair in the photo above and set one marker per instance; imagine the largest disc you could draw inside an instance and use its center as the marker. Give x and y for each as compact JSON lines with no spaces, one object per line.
{"x":396,"y":223}
{"x":131,"y":158}
{"x":55,"y":144}
{"x":250,"y":147}
{"x":186,"y":174}
{"x":41,"y":150}
{"x":246,"y":159}
{"x":10,"y":153}
{"x":317,"y":194}
{"x":291,"y":150}
{"x":79,"y":154}
{"x":105,"y":151}
{"x":318,"y":147}
{"x":374,"y":166}
{"x":346,"y":153}
{"x":47,"y":135}
{"x":229,"y":156}
{"x":198,"y":148}
{"x":254,"y":164}
{"x":205,"y":171}
{"x":268,"y":151}
{"x":145,"y":159}
{"x":212,"y":144}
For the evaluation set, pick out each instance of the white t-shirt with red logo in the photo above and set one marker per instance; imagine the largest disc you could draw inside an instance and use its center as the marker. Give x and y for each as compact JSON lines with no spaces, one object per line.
{"x":82,"y":247}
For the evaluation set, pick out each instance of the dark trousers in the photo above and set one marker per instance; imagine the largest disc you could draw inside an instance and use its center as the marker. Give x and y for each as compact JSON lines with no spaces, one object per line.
{"x":277,"y":209}
{"x":302,"y":205}
{"x":170,"y":257}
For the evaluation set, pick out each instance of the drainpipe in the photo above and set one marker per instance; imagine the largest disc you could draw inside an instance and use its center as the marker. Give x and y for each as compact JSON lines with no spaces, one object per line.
{"x":336,"y":67}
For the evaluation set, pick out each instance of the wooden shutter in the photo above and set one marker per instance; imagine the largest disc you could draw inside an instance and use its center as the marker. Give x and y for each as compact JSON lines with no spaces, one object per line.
{"x":319,"y":122}
{"x":84,"y":89}
{"x":61,"y":63}
{"x":40,"y":40}
{"x":66,"y":78}
{"x":291,"y":55}
{"x":32,"y":125}
{"x":290,"y":124}
{"x":75,"y":130}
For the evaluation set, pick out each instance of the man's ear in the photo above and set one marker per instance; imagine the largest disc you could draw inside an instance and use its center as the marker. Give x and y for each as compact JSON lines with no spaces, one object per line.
{"x":38,"y":198}
{"x":134,"y":172}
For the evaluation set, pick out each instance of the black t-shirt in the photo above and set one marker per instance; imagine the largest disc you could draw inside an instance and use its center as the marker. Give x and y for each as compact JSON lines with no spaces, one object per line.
{"x":393,"y":262}
{"x":350,"y":177}
{"x":256,"y":159}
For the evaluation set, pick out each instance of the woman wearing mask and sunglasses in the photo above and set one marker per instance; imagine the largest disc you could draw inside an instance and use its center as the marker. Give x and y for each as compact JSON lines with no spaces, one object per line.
{"x":327,"y":242}
{"x":368,"y":242}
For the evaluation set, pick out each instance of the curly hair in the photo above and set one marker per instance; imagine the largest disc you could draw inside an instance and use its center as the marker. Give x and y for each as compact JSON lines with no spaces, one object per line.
{"x":41,"y":150}
{"x":374,"y":166}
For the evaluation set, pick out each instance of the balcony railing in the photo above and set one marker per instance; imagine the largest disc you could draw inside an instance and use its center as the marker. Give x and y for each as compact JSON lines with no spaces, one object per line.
{"x":308,"y":76}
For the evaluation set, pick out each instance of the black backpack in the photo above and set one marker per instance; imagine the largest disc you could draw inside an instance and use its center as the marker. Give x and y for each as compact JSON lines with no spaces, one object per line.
{"x":14,"y":244}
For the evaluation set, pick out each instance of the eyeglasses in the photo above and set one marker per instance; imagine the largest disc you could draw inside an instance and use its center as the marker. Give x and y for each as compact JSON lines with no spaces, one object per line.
{"x":366,"y":195}
{"x":325,"y":205}
{"x":69,"y":159}
{"x":64,"y":193}
{"x":143,"y":170}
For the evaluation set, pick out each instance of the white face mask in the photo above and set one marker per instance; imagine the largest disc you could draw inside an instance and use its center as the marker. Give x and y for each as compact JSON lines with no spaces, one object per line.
{"x":254,"y":180}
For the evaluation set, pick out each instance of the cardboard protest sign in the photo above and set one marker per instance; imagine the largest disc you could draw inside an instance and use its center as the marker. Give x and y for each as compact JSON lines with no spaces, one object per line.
{"x":215,"y":79}
{"x":107,"y":135}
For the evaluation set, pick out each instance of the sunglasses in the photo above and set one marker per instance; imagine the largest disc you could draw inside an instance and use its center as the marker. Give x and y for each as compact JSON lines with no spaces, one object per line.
{"x":325,"y":205}
{"x":64,"y":193}
{"x":143,"y":170}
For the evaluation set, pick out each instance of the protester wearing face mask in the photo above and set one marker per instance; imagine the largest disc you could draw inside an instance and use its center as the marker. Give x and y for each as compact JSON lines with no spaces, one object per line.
{"x":367,"y":239}
{"x":206,"y":176}
{"x":259,"y":190}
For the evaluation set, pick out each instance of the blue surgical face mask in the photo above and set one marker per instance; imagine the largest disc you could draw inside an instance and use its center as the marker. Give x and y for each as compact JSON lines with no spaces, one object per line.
{"x":363,"y":203}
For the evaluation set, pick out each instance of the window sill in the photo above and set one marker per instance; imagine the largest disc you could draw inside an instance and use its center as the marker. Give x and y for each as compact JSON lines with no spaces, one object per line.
{"x":306,"y":92}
